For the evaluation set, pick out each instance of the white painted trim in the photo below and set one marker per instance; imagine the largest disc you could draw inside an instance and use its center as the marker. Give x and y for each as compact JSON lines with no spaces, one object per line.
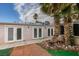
{"x":37,"y":32}
{"x":47,"y":32}
{"x":14,"y":34}
{"x":21,"y":34}
{"x":33,"y":33}
{"x":6,"y":34}
{"x":53,"y":30}
{"x":50,"y":31}
{"x":41,"y":34}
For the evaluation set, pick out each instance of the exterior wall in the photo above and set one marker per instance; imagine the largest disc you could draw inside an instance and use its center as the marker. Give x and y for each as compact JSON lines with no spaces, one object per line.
{"x":2,"y":34}
{"x":37,"y":31}
{"x":77,"y":40}
{"x":27,"y":34}
{"x":6,"y":32}
{"x":44,"y":30}
{"x":27,"y":31}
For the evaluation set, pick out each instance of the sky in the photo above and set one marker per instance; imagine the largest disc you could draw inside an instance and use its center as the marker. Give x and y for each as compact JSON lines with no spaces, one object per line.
{"x":15,"y":12}
{"x":25,"y":9}
{"x":8,"y":13}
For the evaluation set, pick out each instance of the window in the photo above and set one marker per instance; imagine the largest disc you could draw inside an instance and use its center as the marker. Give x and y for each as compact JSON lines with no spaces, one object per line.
{"x":35,"y":33}
{"x":40,"y":32}
{"x":10,"y":34}
{"x":49,"y":32}
{"x":19,"y":34}
{"x":61,"y":29}
{"x":76,"y":29}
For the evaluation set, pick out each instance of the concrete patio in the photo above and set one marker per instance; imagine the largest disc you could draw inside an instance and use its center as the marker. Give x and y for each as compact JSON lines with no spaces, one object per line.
{"x":21,"y":43}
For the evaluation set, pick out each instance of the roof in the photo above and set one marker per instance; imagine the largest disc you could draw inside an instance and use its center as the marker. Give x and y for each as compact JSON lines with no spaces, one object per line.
{"x":4,"y":23}
{"x":28,"y":24}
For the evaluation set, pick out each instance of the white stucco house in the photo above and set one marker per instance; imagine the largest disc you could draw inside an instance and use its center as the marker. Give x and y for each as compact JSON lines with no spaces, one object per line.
{"x":26,"y":32}
{"x":29,"y":31}
{"x":15,"y":34}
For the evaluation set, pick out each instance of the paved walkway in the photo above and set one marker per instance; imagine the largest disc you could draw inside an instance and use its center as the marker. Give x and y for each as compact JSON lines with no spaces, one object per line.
{"x":29,"y":50}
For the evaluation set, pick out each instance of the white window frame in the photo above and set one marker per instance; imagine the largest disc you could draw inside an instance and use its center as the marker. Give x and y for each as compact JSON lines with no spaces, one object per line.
{"x":33,"y":33}
{"x":37,"y":32}
{"x":14,"y":34}
{"x":6,"y":34}
{"x":47,"y":32}
{"x":41,"y":33}
{"x":21,"y":34}
{"x":50,"y":31}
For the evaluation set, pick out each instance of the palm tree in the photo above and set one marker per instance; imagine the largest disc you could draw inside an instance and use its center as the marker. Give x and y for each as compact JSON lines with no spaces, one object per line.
{"x":53,"y":9}
{"x":67,"y":13}
{"x":76,"y":9}
{"x":76,"y":17}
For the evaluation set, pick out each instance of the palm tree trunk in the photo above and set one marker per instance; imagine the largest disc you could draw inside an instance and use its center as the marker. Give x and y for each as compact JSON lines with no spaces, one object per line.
{"x":56,"y":27}
{"x":71,"y":38}
{"x":66,"y":31}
